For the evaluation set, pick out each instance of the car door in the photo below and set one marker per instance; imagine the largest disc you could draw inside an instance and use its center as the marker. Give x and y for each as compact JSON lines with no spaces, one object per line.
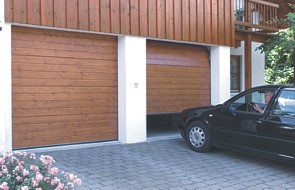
{"x":279,"y":126}
{"x":238,"y":125}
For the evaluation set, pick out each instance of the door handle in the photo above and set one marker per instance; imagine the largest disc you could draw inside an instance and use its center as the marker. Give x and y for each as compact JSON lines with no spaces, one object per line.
{"x":234,"y":114}
{"x":258,"y":122}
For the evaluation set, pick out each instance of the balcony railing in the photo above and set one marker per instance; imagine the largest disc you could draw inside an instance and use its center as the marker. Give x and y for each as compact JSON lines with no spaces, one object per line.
{"x":256,"y":15}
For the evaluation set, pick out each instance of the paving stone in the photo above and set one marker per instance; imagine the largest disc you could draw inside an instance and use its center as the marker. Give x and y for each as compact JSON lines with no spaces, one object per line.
{"x":171,"y":164}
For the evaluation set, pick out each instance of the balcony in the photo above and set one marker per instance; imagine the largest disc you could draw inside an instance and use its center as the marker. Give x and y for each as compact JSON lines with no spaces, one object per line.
{"x":256,"y":16}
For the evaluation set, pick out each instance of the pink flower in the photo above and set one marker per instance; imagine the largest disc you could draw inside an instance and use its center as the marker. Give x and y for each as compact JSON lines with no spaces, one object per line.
{"x":60,"y":186}
{"x":47,"y":161}
{"x":25,"y":172}
{"x":39,"y":176}
{"x":35,"y":183}
{"x":47,"y":179}
{"x":19,"y":178}
{"x":54,"y":171}
{"x":18,"y":153}
{"x":55,"y":181}
{"x":33,"y":156}
{"x":13,"y":166}
{"x":2,"y":161}
{"x":18,"y":168}
{"x":25,"y":188}
{"x":4,"y":186}
{"x":72,"y":177}
{"x":78,"y":182}
{"x":4,"y":171}
{"x":34,"y":168}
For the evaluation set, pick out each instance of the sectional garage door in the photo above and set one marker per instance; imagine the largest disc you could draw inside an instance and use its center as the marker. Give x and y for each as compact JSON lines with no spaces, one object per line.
{"x":64,"y":87}
{"x":178,"y":76}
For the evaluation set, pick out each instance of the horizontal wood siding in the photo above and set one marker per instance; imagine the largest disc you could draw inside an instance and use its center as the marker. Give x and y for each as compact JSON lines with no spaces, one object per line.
{"x":64,"y":87}
{"x":178,"y":76}
{"x":203,"y":21}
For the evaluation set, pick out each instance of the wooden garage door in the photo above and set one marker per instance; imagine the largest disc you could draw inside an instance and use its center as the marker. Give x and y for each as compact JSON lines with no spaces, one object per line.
{"x":178,"y":76}
{"x":64,"y":87}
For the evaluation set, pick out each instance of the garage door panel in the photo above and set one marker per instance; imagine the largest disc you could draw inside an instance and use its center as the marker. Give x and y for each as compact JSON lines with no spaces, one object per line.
{"x":61,"y":119}
{"x":65,"y":93}
{"x":20,"y":43}
{"x":35,"y":60}
{"x":175,"y":62}
{"x":54,"y":141}
{"x":70,"y":38}
{"x":61,"y":104}
{"x":78,"y":68}
{"x":64,"y":75}
{"x":61,"y":97}
{"x":62,"y":111}
{"x":65,"y":90}
{"x":63,"y":83}
{"x":178,"y":76}
{"x":66,"y":125}
{"x":64,"y":54}
{"x":57,"y":129}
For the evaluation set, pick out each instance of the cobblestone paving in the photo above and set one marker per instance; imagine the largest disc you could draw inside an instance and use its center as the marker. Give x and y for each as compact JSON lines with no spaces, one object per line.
{"x":170,"y":164}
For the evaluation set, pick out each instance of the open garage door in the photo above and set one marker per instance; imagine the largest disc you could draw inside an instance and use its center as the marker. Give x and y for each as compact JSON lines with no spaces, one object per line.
{"x":64,"y":87}
{"x":178,"y":77}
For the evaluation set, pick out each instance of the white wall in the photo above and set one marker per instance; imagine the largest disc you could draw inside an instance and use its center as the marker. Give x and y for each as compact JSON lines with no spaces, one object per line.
{"x":220,"y":74}
{"x":132,"y":89}
{"x":5,"y":84}
{"x":258,"y":66}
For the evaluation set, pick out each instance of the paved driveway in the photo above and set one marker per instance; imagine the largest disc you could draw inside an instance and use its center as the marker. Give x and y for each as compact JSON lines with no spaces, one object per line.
{"x":170,"y":164}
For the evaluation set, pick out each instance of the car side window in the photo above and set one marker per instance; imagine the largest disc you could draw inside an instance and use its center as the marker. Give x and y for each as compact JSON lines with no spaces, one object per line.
{"x":285,"y":104}
{"x":250,"y":101}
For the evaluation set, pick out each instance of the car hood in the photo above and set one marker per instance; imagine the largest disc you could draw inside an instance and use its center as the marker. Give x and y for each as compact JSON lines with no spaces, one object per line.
{"x":194,"y":111}
{"x":205,"y":108}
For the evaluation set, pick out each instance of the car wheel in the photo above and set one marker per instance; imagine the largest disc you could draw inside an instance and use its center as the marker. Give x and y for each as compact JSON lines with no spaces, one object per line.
{"x":198,"y":137}
{"x":182,"y":134}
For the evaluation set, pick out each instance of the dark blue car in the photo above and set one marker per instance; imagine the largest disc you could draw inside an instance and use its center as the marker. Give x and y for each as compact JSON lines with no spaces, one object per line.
{"x":259,"y":121}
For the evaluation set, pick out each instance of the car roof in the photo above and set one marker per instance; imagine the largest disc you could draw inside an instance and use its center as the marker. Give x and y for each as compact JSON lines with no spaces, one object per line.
{"x":274,"y":86}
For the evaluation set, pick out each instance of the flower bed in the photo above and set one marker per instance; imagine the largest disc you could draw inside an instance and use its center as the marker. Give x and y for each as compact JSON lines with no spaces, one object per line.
{"x":21,"y":170}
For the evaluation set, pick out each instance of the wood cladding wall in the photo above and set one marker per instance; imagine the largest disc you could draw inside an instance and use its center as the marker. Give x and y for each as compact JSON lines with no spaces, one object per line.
{"x":64,"y":87}
{"x":178,"y":77}
{"x":202,"y":21}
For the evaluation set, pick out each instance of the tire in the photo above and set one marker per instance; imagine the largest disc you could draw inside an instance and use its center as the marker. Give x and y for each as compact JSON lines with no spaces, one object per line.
{"x":198,"y":137}
{"x":182,"y":135}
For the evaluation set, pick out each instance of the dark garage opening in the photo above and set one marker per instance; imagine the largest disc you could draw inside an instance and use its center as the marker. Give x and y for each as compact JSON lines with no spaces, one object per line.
{"x":159,"y":125}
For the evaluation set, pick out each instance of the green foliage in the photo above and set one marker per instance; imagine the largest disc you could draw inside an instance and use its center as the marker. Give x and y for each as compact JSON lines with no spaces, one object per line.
{"x":280,"y":54}
{"x":239,"y":16}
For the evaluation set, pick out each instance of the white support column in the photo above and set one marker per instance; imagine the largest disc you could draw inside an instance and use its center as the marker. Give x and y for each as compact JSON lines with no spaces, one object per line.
{"x":5,"y":83}
{"x":132,"y":89}
{"x":258,"y":65}
{"x":220,"y":74}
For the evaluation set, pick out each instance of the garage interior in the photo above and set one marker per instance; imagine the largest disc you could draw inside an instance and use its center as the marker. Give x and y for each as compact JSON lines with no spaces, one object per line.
{"x":160,"y":125}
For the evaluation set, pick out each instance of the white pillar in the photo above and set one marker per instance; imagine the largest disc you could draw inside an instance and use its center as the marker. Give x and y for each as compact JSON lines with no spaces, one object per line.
{"x":5,"y":83}
{"x":132,"y":89}
{"x":258,"y":65}
{"x":220,"y":74}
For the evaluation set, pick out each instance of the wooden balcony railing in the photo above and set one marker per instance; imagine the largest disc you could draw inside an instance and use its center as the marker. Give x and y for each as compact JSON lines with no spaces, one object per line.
{"x":256,"y":15}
